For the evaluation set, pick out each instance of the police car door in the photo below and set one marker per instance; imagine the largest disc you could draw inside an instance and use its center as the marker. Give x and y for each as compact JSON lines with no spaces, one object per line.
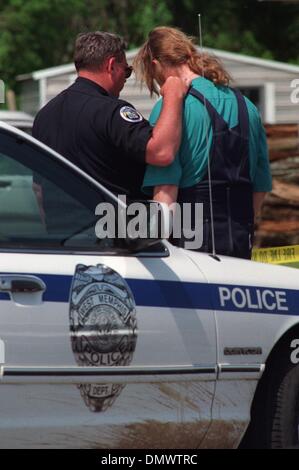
{"x":98,"y":347}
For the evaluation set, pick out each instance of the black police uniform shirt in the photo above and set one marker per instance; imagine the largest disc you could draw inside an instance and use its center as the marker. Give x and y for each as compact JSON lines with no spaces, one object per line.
{"x":101,"y":134}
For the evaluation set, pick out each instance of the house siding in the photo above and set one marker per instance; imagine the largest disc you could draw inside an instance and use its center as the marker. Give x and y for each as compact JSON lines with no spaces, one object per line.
{"x":29,"y":99}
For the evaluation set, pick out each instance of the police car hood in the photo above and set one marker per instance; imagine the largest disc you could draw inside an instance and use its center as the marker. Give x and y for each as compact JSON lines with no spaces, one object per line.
{"x":242,"y":272}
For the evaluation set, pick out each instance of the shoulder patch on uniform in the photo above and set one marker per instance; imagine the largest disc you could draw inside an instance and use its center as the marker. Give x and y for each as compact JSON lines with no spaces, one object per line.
{"x":130,"y":114}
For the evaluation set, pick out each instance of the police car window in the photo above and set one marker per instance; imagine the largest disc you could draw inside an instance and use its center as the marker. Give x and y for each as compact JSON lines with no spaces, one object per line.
{"x":43,"y":204}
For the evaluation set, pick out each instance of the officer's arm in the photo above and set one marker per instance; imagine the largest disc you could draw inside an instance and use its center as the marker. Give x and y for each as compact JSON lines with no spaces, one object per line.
{"x":166,"y":137}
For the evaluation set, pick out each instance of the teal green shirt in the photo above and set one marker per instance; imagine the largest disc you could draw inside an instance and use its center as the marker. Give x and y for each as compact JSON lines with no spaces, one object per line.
{"x":190,"y":163}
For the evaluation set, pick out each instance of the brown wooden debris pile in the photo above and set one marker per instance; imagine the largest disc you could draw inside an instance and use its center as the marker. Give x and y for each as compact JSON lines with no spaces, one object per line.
{"x":279,"y":223}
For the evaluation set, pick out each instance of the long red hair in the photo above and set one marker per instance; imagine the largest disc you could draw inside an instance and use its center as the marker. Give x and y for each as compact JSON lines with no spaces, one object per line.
{"x":172,"y":47}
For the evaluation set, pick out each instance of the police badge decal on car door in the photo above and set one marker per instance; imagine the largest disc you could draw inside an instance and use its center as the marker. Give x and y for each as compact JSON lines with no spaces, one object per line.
{"x":103,"y":327}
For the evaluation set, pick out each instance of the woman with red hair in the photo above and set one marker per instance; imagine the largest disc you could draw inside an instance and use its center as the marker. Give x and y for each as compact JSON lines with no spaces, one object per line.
{"x":223,"y":142}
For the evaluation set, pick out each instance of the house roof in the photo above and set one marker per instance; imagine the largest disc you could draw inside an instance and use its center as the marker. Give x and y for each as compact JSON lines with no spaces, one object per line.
{"x":16,"y":118}
{"x":271,"y":64}
{"x":224,"y":55}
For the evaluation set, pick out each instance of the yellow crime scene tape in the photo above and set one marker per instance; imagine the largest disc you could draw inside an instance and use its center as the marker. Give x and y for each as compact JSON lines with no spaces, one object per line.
{"x":276,"y":255}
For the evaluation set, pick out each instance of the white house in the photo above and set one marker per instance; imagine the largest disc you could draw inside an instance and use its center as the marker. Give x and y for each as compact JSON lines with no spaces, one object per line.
{"x":267,"y":83}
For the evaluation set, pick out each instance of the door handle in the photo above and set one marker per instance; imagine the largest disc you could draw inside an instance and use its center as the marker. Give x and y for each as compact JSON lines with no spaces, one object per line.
{"x":23,"y":289}
{"x":21,"y":284}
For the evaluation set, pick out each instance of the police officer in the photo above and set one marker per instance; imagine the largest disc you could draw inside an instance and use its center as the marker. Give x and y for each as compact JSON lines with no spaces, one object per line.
{"x":220,"y":126}
{"x":105,"y":136}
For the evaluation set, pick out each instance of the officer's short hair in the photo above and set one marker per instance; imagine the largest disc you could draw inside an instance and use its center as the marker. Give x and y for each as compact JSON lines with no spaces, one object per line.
{"x":91,"y":49}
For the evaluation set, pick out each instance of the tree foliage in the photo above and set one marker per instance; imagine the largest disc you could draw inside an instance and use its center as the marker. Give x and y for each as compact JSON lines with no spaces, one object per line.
{"x":260,"y":28}
{"x":40,"y":33}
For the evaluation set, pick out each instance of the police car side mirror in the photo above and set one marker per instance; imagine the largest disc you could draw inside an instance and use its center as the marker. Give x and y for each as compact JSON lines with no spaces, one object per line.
{"x":147,"y":222}
{"x":132,"y":225}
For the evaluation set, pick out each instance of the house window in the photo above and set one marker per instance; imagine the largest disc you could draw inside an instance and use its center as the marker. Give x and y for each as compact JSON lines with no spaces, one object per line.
{"x":254,"y":94}
{"x":264,"y":99}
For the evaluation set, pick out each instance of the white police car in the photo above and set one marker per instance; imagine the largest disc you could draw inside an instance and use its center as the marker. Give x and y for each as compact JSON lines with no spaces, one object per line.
{"x":121,"y":344}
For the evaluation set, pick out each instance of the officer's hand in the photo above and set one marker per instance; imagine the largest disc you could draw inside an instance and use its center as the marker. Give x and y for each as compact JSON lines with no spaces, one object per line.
{"x":175,"y":87}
